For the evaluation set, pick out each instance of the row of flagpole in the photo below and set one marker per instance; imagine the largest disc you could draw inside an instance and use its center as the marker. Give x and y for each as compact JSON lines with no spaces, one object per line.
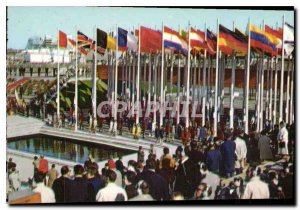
{"x":271,"y":114}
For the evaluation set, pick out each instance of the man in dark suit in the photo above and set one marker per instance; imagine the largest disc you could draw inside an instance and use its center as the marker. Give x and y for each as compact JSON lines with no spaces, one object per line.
{"x":158,"y":186}
{"x":79,"y":184}
{"x":228,"y":154}
{"x":59,"y":186}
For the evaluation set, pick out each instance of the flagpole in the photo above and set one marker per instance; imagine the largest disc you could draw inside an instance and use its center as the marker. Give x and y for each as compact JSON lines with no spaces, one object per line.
{"x":138,"y":79}
{"x":133,"y":81}
{"x":58,"y":85}
{"x":149,"y":83}
{"x":216,"y":83}
{"x":258,"y":77}
{"x":76,"y":81}
{"x":267,"y":89}
{"x":178,"y":91}
{"x":275,"y":92}
{"x":292,"y":94}
{"x":129,"y":79}
{"x":287,"y":92}
{"x":188,"y":81}
{"x":116,"y":78}
{"x":145,"y":72}
{"x":208,"y":89}
{"x":95,"y":76}
{"x":194,"y":80}
{"x":171,"y":79}
{"x":162,"y":80}
{"x":261,"y":124}
{"x":204,"y":81}
{"x":155,"y":90}
{"x":271,"y":90}
{"x":282,"y":75}
{"x":247,"y":81}
{"x":232,"y":87}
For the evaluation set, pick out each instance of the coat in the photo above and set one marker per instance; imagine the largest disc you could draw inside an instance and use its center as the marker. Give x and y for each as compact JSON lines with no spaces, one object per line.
{"x":214,"y":160}
{"x":86,"y":191}
{"x":158,"y":187}
{"x":59,"y":187}
{"x":110,"y":193}
{"x":256,"y":189}
{"x":228,"y":156}
{"x":52,"y":174}
{"x":47,"y":194}
{"x":264,"y":148}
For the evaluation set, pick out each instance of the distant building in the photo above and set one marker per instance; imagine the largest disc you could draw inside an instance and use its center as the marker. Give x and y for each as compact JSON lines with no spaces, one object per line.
{"x":39,"y":50}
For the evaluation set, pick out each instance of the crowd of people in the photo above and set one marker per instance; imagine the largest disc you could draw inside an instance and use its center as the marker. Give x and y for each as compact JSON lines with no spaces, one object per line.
{"x":229,"y":166}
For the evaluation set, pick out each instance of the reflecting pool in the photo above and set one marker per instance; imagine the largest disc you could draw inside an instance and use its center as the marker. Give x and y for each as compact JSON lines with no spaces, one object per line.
{"x":65,"y":149}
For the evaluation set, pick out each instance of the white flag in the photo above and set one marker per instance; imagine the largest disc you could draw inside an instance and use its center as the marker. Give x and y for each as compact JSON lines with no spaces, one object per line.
{"x":289,"y":40}
{"x":131,"y":42}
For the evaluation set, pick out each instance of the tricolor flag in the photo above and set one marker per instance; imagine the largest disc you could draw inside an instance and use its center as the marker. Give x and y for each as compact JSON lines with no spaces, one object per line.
{"x":263,"y":40}
{"x":197,"y":39}
{"x":126,"y":41}
{"x":244,"y":38}
{"x":62,"y":40}
{"x":211,"y":41}
{"x":105,"y":41}
{"x":151,"y":40}
{"x":122,"y":39}
{"x":276,"y":34}
{"x":111,"y":43}
{"x":173,"y":40}
{"x":230,"y":42}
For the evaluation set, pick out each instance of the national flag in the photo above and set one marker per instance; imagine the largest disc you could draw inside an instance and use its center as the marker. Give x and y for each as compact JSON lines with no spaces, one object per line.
{"x":183,"y":34}
{"x":84,"y":41}
{"x":230,"y":42}
{"x":244,"y":38}
{"x":101,"y":39}
{"x":275,"y":33}
{"x":151,"y":40}
{"x":263,"y":40}
{"x":73,"y":44}
{"x":111,"y":43}
{"x":211,"y":40}
{"x":62,"y":40}
{"x":132,"y":42}
{"x":197,"y":39}
{"x":173,"y":40}
{"x":289,"y":39}
{"x":122,"y":39}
